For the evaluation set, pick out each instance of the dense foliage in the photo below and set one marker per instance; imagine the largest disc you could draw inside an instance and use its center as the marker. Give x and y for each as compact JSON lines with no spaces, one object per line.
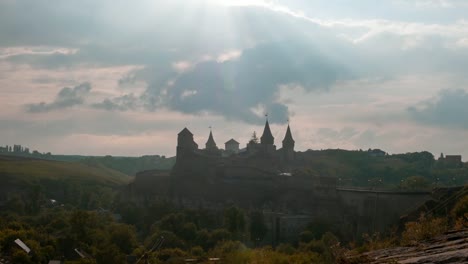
{"x":54,"y":233}
{"x":409,"y":171}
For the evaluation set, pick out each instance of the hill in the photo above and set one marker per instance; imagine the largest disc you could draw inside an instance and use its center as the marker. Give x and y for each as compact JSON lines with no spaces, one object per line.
{"x":28,"y":170}
{"x":69,"y":182}
{"x":126,"y":165}
{"x":131,"y":165}
{"x":418,"y":170}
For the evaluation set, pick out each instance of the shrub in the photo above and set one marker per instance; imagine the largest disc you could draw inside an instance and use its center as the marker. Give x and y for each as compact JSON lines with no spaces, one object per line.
{"x":424,"y":228}
{"x":460,"y":213}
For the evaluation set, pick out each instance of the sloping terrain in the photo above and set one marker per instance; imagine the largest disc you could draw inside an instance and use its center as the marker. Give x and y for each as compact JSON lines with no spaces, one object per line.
{"x":451,"y":247}
{"x":131,"y":165}
{"x":27,"y":183}
{"x":418,"y":170}
{"x":26,"y":170}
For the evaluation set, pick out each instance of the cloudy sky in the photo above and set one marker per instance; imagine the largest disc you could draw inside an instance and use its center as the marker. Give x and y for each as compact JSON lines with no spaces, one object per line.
{"x":124,"y":77}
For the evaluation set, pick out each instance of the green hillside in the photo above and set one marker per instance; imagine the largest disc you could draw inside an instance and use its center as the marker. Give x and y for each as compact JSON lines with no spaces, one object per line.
{"x":131,"y":165}
{"x":361,"y":169}
{"x":24,"y":179}
{"x":126,"y":165}
{"x":32,"y":170}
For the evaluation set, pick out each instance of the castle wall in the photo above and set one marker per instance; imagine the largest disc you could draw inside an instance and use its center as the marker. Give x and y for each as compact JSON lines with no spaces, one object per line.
{"x":378,"y":210}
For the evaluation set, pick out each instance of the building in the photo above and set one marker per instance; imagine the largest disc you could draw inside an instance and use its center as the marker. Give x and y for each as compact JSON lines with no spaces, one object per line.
{"x":231,"y":146}
{"x":210,"y":146}
{"x":454,"y":161}
{"x":288,"y":145}
{"x":376,"y":153}
{"x":260,"y":160}
{"x":185,"y":144}
{"x":187,"y":148}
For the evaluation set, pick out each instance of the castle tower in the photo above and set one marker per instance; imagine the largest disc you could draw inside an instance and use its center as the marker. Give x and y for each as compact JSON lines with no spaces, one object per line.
{"x":211,"y":144}
{"x":267,"y":140}
{"x":185,"y":144}
{"x":288,"y":145}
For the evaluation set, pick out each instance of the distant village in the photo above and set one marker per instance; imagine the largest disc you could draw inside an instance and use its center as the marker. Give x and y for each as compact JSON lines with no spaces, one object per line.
{"x":20,"y":150}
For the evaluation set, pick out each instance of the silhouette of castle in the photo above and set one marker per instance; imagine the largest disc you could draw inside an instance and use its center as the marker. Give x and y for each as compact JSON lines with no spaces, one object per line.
{"x":277,"y":181}
{"x":258,"y":157}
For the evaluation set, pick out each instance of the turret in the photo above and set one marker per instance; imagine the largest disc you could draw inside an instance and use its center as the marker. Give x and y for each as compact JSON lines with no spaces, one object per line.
{"x":267,"y":138}
{"x":288,"y":145}
{"x":211,"y":144}
{"x":288,"y":141}
{"x":185,"y":144}
{"x":267,"y":141}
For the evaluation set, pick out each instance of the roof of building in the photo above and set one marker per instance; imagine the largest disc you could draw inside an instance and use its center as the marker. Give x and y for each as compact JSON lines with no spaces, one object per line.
{"x":185,"y":131}
{"x":288,"y":137}
{"x":267,"y":137}
{"x":82,"y":254}
{"x":232,"y":141}
{"x":22,"y":245}
{"x":210,"y":143}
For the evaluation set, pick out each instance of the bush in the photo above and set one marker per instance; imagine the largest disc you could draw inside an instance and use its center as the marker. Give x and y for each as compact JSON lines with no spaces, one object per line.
{"x":424,"y":228}
{"x":286,"y":249}
{"x":171,"y":253}
{"x":460,"y":213}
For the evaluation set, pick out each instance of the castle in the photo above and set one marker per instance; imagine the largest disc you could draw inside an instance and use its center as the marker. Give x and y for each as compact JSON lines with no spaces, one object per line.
{"x":257,"y":159}
{"x":279,"y":182}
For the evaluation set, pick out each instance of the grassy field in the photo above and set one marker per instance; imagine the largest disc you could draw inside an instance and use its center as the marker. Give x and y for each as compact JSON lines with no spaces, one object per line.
{"x":27,"y":170}
{"x":27,"y":184}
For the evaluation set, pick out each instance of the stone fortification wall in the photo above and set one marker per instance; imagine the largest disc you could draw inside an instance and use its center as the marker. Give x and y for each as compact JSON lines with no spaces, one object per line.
{"x":378,"y":210}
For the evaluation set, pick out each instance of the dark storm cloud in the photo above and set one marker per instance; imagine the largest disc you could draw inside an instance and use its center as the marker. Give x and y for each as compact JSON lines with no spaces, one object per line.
{"x":449,"y":108}
{"x":234,"y":88}
{"x":66,"y":98}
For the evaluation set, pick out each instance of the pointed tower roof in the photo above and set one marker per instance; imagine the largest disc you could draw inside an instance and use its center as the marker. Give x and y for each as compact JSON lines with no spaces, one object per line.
{"x":267,"y":137}
{"x":232,"y":141}
{"x":288,"y":139}
{"x":185,"y":131}
{"x":210,"y":144}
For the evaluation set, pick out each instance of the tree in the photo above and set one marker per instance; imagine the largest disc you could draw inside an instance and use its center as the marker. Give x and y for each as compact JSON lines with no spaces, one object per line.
{"x":460,"y":212}
{"x":172,"y":222}
{"x":110,"y":254}
{"x":254,"y":138}
{"x":81,"y":224}
{"x":123,"y":236}
{"x":234,"y":220}
{"x":258,"y":228}
{"x":415,"y":183}
{"x":219,"y":235}
{"x":188,"y":232}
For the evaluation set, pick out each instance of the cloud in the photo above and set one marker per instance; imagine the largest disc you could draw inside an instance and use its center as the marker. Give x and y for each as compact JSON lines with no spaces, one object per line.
{"x":234,"y":88}
{"x":437,"y":3}
{"x":227,"y":61}
{"x":122,"y":103}
{"x":66,"y":98}
{"x":448,"y":109}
